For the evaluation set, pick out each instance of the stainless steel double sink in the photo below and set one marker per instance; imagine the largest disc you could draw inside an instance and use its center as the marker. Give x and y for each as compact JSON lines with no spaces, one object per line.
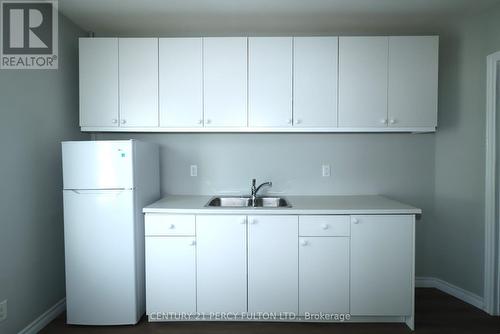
{"x":246,"y":202}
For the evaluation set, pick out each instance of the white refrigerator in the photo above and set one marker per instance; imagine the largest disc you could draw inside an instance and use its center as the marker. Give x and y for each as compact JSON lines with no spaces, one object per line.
{"x":106,"y":185}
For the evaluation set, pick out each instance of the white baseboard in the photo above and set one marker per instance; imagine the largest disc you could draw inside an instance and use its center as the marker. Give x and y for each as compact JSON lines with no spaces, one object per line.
{"x":43,"y":320}
{"x":455,"y":291}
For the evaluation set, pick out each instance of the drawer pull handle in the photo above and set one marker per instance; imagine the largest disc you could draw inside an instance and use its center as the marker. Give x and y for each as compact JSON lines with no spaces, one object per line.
{"x":325,"y":226}
{"x":172,"y":226}
{"x":355,"y":221}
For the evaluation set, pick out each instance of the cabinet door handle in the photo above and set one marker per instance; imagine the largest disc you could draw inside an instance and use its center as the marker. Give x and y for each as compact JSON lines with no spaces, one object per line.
{"x":208,"y":121}
{"x":124,"y":121}
{"x":172,"y":226}
{"x":355,"y":221}
{"x":253,"y":221}
{"x":325,"y":226}
{"x":304,"y":243}
{"x":383,"y":121}
{"x":289,"y":121}
{"x":298,"y":121}
{"x":192,"y":243}
{"x":392,"y":121}
{"x":200,"y":121}
{"x":114,"y":121}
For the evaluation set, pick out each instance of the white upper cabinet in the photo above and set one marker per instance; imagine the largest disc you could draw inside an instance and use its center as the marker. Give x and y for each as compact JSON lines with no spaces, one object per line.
{"x":270,"y":81}
{"x":181,"y":82}
{"x":260,"y":84}
{"x":98,"y":82}
{"x":363,"y":81}
{"x":225,"y":81}
{"x":138,"y":76}
{"x":315,"y":66}
{"x":413,"y":81}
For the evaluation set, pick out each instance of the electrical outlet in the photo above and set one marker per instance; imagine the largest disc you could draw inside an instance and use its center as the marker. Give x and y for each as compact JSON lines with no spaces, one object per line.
{"x":326,"y":170}
{"x":3,"y":310}
{"x":194,"y":170}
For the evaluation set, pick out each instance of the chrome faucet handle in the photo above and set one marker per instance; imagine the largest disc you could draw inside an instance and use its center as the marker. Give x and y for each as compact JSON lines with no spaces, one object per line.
{"x":252,"y":189}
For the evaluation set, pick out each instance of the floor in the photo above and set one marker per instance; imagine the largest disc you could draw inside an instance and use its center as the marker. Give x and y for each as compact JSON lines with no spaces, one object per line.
{"x":436,"y":312}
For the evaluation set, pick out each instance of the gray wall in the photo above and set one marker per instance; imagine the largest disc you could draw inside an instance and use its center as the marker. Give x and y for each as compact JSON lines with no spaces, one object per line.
{"x":456,"y":238}
{"x":38,"y":109}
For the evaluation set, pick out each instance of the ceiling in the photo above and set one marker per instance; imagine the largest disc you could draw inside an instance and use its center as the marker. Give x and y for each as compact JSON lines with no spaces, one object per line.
{"x":253,"y":17}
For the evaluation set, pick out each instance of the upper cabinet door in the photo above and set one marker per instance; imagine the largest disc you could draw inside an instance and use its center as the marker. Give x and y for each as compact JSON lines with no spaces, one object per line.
{"x":98,"y":82}
{"x":363,"y":81}
{"x":413,"y":81}
{"x":181,"y":82}
{"x":138,"y":73}
{"x":315,"y":72}
{"x":270,"y":81}
{"x":225,"y":81}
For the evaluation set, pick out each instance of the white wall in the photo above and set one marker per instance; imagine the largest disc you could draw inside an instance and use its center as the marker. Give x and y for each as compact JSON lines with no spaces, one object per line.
{"x":397,"y":165}
{"x":38,"y":109}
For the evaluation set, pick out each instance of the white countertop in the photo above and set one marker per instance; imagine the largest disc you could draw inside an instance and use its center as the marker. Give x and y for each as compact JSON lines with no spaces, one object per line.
{"x":317,"y":205}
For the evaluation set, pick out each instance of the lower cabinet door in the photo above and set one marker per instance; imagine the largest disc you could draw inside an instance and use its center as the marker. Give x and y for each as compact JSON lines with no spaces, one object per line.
{"x":323,"y":275}
{"x":382,"y":265}
{"x":272,"y":264}
{"x":221,"y":263}
{"x":170,"y":274}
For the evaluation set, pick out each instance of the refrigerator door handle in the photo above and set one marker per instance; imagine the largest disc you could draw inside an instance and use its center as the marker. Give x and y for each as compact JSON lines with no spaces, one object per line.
{"x":98,"y":191}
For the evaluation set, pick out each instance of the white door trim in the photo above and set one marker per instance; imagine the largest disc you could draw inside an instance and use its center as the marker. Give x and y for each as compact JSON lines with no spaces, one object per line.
{"x":491,"y":269}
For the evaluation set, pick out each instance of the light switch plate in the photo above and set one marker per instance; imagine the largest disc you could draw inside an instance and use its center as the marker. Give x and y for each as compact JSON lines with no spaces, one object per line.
{"x":3,"y":310}
{"x":194,"y":170}
{"x":326,"y":170}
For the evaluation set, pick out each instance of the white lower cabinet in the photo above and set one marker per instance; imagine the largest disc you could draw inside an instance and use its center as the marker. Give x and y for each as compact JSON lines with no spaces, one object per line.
{"x":272,"y":264}
{"x":362,"y":265}
{"x":170,"y":274}
{"x":382,"y":265}
{"x":221,"y":263}
{"x":323,"y":275}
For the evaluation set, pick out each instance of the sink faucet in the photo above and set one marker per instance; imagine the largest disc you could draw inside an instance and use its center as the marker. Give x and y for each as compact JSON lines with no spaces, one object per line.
{"x":255,"y":190}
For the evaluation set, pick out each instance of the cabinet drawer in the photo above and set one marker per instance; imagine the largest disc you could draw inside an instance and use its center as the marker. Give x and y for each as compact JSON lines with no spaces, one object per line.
{"x":161,"y":224}
{"x":335,"y":226}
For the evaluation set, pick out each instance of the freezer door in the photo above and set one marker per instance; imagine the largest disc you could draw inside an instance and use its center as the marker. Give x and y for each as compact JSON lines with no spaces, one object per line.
{"x":100,"y":257}
{"x":98,"y":164}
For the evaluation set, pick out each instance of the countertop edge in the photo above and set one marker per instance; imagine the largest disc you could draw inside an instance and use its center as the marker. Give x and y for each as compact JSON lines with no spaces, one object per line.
{"x":286,"y":211}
